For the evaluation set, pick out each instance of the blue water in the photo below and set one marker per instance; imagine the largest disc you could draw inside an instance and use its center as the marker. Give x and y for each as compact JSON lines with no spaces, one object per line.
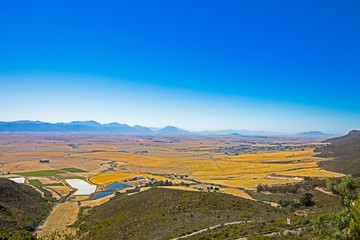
{"x":102,"y":194}
{"x":117,"y":186}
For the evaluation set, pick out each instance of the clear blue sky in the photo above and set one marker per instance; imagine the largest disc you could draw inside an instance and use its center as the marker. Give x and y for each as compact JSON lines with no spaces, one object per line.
{"x":285,"y":66}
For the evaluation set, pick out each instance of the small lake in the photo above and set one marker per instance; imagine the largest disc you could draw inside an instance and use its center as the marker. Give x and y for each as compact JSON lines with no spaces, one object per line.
{"x":102,"y":194}
{"x":117,"y":186}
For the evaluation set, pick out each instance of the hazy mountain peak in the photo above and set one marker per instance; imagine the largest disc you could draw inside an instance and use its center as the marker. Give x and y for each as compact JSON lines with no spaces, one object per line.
{"x":172,"y":130}
{"x":86,"y":123}
{"x":115,"y":124}
{"x":312,"y":133}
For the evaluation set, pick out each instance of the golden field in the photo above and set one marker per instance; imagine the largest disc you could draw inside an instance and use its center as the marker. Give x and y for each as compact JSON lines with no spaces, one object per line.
{"x":111,"y":158}
{"x":63,"y":215}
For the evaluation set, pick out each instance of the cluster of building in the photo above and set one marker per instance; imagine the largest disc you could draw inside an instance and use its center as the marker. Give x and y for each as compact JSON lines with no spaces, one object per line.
{"x":253,"y":148}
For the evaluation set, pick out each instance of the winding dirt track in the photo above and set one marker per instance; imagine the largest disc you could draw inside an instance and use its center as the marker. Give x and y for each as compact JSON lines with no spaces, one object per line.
{"x":209,"y":228}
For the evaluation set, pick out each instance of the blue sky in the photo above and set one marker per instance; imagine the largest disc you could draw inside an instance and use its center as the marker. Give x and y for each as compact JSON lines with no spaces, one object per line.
{"x":201,"y":65}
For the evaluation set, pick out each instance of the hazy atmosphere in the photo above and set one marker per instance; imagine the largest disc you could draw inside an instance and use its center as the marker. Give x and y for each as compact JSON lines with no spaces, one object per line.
{"x":169,"y":120}
{"x":286,"y":67}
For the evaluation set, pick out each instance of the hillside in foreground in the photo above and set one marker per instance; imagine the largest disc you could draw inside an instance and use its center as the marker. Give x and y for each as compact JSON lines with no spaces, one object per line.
{"x":21,"y":207}
{"x":166,"y":213}
{"x":346,"y":153}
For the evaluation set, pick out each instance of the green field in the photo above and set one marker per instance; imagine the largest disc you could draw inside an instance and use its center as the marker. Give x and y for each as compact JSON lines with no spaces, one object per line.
{"x":72,"y":170}
{"x":36,"y":182}
{"x":46,"y":173}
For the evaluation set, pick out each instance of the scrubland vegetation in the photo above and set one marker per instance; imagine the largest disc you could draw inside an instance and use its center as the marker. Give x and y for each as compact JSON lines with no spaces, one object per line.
{"x":21,"y":207}
{"x":165,"y":213}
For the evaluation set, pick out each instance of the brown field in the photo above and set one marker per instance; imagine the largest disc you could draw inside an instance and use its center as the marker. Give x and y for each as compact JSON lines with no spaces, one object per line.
{"x":61,"y":190}
{"x":236,"y":192}
{"x":62,"y":215}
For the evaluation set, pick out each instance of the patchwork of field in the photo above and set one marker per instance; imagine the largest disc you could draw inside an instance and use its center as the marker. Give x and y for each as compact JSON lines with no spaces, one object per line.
{"x":247,"y":170}
{"x":232,"y":161}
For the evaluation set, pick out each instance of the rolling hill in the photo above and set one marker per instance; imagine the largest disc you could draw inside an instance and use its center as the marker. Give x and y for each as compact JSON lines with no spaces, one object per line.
{"x":166,"y":213}
{"x":346,"y":153}
{"x":21,"y":207}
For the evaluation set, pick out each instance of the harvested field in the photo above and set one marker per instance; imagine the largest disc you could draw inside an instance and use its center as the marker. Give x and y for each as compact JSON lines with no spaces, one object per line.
{"x":62,"y":190}
{"x":63,"y":215}
{"x":236,"y":192}
{"x":23,"y":166}
{"x":104,"y":159}
{"x":248,"y":170}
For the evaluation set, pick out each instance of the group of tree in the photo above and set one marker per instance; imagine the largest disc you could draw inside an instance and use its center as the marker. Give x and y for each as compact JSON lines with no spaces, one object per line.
{"x":290,"y":205}
{"x":307,"y":185}
{"x":345,"y":224}
{"x":154,"y":182}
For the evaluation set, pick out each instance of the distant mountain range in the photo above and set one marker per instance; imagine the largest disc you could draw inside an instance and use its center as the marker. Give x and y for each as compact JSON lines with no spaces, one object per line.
{"x":85,"y":127}
{"x":95,"y":127}
{"x":313,"y":133}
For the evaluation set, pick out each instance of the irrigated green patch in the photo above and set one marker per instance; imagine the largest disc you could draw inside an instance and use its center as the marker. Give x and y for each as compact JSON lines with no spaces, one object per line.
{"x":36,"y":182}
{"x":72,"y":170}
{"x":46,"y":173}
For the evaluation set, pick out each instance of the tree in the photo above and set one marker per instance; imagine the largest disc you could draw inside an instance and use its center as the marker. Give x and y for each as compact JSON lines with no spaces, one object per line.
{"x":306,"y":200}
{"x":354,"y":225}
{"x":346,"y":223}
{"x":347,"y":189}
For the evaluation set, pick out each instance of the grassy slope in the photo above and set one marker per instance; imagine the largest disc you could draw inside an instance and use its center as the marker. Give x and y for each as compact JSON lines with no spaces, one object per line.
{"x":346,"y":153}
{"x":324,"y":203}
{"x":164,"y":213}
{"x":20,"y":206}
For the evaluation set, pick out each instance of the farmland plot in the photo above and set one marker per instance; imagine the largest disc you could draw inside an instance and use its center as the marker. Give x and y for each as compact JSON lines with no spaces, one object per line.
{"x":63,"y":215}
